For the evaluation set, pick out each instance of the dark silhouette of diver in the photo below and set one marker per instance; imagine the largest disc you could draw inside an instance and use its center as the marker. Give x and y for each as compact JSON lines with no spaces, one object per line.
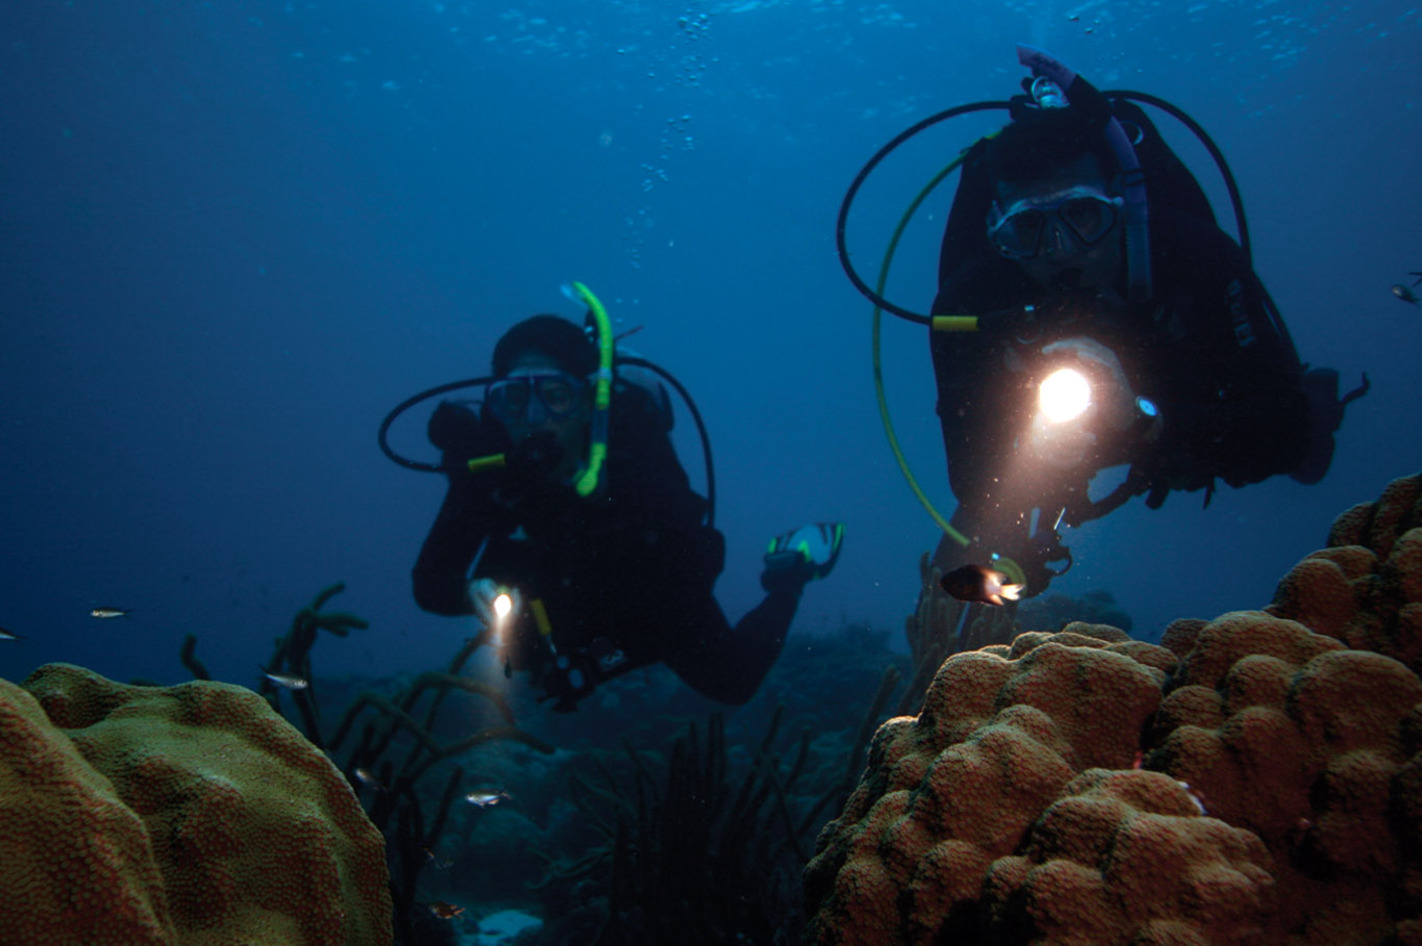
{"x":602,"y":578}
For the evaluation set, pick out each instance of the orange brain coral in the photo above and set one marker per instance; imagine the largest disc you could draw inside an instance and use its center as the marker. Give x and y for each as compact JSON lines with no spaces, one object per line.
{"x":257,"y":837}
{"x":1279,"y":800}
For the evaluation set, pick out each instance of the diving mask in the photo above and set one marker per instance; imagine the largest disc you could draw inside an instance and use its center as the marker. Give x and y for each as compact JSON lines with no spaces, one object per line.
{"x":1087,"y":214}
{"x":518,"y":398}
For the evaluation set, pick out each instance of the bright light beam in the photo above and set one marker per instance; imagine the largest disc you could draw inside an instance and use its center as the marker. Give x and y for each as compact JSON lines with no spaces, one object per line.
{"x":1064,"y":395}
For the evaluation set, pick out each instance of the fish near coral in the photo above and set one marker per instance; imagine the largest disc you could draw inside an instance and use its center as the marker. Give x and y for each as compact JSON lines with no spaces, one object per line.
{"x":445,"y":911}
{"x":487,"y":799}
{"x":978,"y":585}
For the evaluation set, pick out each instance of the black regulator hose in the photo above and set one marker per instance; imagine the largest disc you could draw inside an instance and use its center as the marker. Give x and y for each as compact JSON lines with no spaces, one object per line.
{"x":410,"y":402}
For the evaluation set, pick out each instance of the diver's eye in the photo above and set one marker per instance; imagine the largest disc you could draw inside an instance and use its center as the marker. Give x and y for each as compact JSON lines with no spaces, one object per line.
{"x":1088,"y":216}
{"x":509,"y":398}
{"x":558,"y":394}
{"x":1019,"y":235}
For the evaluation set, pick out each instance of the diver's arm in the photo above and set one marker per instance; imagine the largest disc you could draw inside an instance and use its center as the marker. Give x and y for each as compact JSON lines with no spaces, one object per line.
{"x":977,"y":417}
{"x":440,"y":574}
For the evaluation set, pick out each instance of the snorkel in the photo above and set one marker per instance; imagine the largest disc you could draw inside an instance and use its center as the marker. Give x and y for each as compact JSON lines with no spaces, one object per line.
{"x":591,"y":477}
{"x":1077,"y":91}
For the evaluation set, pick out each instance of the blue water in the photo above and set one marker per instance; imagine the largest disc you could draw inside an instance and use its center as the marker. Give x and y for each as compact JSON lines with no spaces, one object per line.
{"x":237,"y":233}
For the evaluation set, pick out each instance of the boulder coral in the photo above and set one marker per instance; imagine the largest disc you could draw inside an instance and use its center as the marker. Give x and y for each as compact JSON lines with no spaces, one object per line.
{"x":1255,"y":778}
{"x":191,"y":814}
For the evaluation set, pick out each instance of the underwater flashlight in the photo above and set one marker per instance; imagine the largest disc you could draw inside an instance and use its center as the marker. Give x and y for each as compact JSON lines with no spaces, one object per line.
{"x":1064,"y":395}
{"x":503,"y":604}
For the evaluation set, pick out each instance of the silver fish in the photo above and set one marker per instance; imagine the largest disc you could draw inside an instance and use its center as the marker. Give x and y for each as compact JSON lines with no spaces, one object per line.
{"x":105,"y":613}
{"x":485,"y":799}
{"x":286,"y":680}
{"x":368,"y":780}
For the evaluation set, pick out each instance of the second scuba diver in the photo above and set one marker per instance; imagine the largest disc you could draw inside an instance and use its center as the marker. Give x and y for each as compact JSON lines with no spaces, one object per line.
{"x":606,"y":557}
{"x":1079,"y":241}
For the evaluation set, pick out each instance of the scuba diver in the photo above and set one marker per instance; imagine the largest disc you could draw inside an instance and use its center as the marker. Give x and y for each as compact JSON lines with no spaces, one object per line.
{"x":1091,"y":314}
{"x":591,"y":553}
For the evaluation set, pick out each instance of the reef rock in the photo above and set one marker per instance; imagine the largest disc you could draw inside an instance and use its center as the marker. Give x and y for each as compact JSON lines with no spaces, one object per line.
{"x":1256,"y":778}
{"x":191,"y":814}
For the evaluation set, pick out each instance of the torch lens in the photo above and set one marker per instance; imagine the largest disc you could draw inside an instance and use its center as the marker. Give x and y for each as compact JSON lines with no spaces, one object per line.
{"x":1064,"y":395}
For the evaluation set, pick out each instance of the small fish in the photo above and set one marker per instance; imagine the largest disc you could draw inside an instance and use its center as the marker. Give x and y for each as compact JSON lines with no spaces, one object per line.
{"x":1418,"y":281}
{"x":1196,"y":796}
{"x":445,"y":911}
{"x":1405,"y":294}
{"x":369,"y":781}
{"x":444,"y":864}
{"x":484,"y":799}
{"x":978,"y":585}
{"x":105,"y":613}
{"x":9,"y":635}
{"x":284,"y":680}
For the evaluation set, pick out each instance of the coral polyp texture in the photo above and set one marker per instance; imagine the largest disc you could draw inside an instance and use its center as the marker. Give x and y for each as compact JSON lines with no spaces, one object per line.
{"x":1255,"y":778}
{"x":191,"y":814}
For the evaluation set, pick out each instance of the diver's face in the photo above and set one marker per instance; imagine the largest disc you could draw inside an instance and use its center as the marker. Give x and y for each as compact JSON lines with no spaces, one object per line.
{"x":568,"y":422}
{"x":1063,"y":259}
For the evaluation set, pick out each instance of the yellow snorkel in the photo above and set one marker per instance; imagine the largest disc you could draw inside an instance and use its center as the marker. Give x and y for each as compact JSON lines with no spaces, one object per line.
{"x":591,"y":477}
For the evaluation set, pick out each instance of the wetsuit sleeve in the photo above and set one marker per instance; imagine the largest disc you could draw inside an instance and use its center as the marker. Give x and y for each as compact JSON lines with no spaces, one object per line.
{"x":978,"y":403}
{"x":1231,"y":391}
{"x":465,"y":518}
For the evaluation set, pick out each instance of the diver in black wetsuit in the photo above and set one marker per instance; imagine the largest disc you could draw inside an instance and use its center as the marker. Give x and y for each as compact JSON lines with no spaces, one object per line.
{"x":609,"y":581}
{"x":1079,"y":241}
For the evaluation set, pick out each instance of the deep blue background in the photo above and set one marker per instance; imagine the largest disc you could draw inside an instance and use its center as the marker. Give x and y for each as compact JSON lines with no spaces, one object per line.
{"x":235,"y":234}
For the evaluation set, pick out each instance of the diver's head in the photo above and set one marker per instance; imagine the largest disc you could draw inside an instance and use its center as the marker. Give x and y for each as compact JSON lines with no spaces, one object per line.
{"x":1056,"y":210}
{"x":541,"y":385}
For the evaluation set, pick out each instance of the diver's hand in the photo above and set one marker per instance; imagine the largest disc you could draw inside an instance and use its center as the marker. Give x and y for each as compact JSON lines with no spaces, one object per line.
{"x":534,"y":458}
{"x":454,"y":429}
{"x":1112,"y":400}
{"x":1059,"y":446}
{"x":484,"y":594}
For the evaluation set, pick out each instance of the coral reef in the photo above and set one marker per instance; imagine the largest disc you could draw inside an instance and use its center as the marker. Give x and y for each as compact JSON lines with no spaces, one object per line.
{"x":292,"y":655}
{"x":697,"y":856}
{"x":397,"y":804}
{"x":186,"y":814}
{"x":390,"y":749}
{"x":1256,"y":778}
{"x":1057,"y":610}
{"x":76,"y":862}
{"x":934,"y":633}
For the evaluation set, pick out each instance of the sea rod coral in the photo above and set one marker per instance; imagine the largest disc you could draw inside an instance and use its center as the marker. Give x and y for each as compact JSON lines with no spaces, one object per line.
{"x":191,"y":814}
{"x":1256,"y":778}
